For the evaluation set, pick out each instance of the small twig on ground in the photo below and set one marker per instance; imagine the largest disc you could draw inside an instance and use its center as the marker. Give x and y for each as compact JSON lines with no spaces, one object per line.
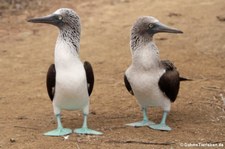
{"x":25,"y":127}
{"x":213,"y":88}
{"x":78,"y":147}
{"x":221,"y":18}
{"x":222,"y":98}
{"x":210,"y":103}
{"x":203,"y":78}
{"x":173,"y":14}
{"x":140,"y":142}
{"x":114,"y":128}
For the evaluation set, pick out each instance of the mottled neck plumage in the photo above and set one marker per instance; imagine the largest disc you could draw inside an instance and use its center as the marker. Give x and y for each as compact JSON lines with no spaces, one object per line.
{"x":137,"y":41}
{"x":145,"y":53}
{"x":71,"y":36}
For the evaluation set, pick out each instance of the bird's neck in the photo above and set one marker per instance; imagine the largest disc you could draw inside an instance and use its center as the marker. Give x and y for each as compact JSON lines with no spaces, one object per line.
{"x":71,"y":37}
{"x":67,"y":49}
{"x":145,"y":54}
{"x":137,"y":41}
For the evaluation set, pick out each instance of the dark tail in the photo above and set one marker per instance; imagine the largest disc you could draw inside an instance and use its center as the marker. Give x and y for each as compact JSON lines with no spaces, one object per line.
{"x":185,"y":79}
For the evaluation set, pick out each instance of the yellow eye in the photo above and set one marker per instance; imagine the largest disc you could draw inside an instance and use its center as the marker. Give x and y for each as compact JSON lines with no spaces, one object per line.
{"x":60,"y":17}
{"x":151,"y":25}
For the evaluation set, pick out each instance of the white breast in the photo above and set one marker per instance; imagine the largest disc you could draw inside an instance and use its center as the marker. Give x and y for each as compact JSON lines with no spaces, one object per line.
{"x":143,"y":76}
{"x":71,"y":85}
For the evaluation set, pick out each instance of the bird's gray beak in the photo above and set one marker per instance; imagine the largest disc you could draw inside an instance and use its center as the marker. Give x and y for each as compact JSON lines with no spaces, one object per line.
{"x":159,"y":27}
{"x":50,"y":19}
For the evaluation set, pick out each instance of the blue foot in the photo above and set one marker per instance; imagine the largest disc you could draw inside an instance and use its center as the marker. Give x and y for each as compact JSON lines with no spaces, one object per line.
{"x":59,"y":132}
{"x":140,"y":124}
{"x":163,"y":127}
{"x":86,"y":131}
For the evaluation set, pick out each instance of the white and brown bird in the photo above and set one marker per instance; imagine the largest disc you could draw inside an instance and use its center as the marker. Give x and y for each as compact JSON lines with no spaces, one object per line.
{"x":69,"y":81}
{"x":152,"y":81}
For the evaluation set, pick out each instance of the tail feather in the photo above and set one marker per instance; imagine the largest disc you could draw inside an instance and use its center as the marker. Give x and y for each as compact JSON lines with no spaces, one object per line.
{"x":185,"y":79}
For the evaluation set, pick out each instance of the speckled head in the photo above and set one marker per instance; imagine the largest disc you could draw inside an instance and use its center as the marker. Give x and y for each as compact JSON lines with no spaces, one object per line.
{"x":62,"y":18}
{"x":147,"y":25}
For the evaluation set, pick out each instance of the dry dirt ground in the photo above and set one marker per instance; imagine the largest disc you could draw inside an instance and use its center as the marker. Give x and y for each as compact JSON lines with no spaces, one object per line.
{"x":26,"y":51}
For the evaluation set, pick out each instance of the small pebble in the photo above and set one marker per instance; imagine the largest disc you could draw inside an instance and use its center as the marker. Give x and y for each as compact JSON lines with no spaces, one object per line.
{"x":12,"y":140}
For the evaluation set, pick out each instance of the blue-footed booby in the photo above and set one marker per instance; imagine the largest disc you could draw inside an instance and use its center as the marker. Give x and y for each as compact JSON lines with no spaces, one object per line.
{"x":152,"y":81}
{"x":69,"y":81}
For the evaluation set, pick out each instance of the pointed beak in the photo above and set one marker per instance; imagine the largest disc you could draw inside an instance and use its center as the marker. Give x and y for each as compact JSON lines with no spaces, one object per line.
{"x":159,"y":27}
{"x":50,"y":19}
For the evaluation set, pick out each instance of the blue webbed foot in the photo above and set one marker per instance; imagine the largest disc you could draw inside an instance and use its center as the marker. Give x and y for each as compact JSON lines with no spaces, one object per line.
{"x":163,"y":127}
{"x":59,"y":132}
{"x":144,"y":122}
{"x":87,"y":131}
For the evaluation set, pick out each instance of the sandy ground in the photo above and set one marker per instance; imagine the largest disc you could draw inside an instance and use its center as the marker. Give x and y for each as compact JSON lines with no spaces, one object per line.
{"x":26,"y":52}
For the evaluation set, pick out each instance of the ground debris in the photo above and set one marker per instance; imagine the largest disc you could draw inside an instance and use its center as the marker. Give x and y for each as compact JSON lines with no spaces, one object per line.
{"x":173,"y":14}
{"x":22,"y":118}
{"x":24,"y":127}
{"x":12,"y":140}
{"x":222,"y":98}
{"x":93,"y":113}
{"x":66,"y":137}
{"x":221,"y":18}
{"x":140,"y":142}
{"x":212,"y":88}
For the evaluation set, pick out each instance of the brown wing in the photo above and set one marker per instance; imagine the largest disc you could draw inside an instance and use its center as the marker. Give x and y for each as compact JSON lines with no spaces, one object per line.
{"x":50,"y":81}
{"x":169,"y":82}
{"x":89,"y":76}
{"x":127,"y":84}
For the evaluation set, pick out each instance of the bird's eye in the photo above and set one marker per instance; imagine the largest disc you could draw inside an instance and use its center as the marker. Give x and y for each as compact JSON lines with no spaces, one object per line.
{"x":151,"y":25}
{"x":60,"y":17}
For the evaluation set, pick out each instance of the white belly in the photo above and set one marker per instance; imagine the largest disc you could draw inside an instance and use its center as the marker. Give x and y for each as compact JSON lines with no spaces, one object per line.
{"x":71,"y":85}
{"x":71,"y":88}
{"x":146,"y":90}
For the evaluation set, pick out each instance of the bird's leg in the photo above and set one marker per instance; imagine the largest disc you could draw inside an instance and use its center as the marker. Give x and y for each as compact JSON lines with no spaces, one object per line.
{"x":144,"y":122}
{"x":145,"y":116}
{"x":162,"y":125}
{"x":85,"y":130}
{"x":59,"y":131}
